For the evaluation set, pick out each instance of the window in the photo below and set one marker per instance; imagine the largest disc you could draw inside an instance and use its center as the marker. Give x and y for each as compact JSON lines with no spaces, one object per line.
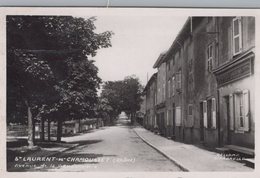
{"x":168,"y":65}
{"x":173,"y":86}
{"x":178,"y":80}
{"x":171,"y":62}
{"x":168,"y":117}
{"x":210,"y":57}
{"x":163,"y":92}
{"x":178,"y":116}
{"x":213,"y":110}
{"x":169,"y":88}
{"x":205,"y":123}
{"x":155,"y":98}
{"x":241,"y":110}
{"x":237,"y":35}
{"x":155,"y":120}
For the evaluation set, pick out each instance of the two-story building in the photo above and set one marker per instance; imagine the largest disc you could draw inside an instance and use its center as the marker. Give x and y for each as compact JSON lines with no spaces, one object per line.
{"x":205,"y":83}
{"x":234,"y":70}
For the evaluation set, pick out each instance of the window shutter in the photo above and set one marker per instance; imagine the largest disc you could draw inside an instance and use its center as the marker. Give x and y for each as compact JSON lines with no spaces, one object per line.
{"x":178,"y":116}
{"x":205,"y":114}
{"x":247,"y":111}
{"x":231,"y":112}
{"x":240,"y":33}
{"x":214,"y":119}
{"x":236,"y":113}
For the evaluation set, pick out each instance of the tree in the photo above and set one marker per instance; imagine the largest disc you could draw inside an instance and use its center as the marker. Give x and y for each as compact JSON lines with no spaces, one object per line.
{"x":132,"y":95}
{"x":104,"y":110}
{"x":112,"y":94}
{"x":122,"y":95}
{"x":48,"y":67}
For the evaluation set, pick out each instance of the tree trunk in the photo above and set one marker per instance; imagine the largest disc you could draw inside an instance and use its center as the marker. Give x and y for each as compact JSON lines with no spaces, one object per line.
{"x":59,"y":130}
{"x":33,"y":129}
{"x":79,"y":130}
{"x":42,"y":129}
{"x":49,"y":129}
{"x":30,"y":126}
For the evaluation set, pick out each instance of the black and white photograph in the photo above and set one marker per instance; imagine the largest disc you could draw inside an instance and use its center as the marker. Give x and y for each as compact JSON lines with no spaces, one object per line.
{"x":119,"y":90}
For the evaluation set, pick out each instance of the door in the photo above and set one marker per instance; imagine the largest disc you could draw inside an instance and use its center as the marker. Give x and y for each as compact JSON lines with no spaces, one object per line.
{"x":228,"y":105}
{"x":201,"y":123}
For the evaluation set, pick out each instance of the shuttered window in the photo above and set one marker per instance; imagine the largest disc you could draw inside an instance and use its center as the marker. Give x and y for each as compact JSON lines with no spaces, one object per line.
{"x":214,"y":119}
{"x":178,"y":116}
{"x":178,"y":81}
{"x":169,"y":88}
{"x":237,"y":35}
{"x":242,"y":110}
{"x":205,"y":117}
{"x":173,"y":86}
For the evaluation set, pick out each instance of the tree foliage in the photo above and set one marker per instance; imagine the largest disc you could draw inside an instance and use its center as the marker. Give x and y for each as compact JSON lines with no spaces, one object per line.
{"x":48,"y":65}
{"x":123,"y":95}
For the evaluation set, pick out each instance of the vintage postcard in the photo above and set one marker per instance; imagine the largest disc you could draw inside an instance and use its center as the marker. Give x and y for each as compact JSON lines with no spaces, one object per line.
{"x":129,"y":91}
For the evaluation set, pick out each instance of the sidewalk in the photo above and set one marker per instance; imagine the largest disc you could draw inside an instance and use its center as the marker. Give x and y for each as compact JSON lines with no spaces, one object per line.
{"x":189,"y":157}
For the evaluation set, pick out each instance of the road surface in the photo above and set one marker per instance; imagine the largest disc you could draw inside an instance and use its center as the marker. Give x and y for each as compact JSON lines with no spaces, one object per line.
{"x":115,"y":148}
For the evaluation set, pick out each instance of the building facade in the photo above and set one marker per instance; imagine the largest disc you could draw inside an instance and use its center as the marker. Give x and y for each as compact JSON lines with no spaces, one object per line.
{"x":234,"y":72}
{"x":150,"y":92}
{"x":160,"y":105}
{"x":205,"y":83}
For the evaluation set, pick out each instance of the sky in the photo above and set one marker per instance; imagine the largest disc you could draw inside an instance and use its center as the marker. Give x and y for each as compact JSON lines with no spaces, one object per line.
{"x":137,"y":42}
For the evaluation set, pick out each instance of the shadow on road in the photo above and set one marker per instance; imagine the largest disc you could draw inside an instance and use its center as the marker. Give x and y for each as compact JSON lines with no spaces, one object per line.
{"x":17,"y":143}
{"x":20,"y":158}
{"x":85,"y":142}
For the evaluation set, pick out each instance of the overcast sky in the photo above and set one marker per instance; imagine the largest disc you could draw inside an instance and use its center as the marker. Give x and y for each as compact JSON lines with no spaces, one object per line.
{"x":136,"y":44}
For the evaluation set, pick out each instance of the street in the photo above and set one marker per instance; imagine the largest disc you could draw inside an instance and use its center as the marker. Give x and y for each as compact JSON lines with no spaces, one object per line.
{"x":115,"y":148}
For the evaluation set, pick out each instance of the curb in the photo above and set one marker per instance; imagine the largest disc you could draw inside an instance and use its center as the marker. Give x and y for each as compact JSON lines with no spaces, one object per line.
{"x":163,"y":153}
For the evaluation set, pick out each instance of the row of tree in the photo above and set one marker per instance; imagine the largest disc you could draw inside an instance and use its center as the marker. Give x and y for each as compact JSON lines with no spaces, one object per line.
{"x":123,"y":95}
{"x":49,"y":73}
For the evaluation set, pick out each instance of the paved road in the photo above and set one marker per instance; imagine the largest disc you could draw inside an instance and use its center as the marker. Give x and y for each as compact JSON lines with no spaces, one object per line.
{"x":115,"y":148}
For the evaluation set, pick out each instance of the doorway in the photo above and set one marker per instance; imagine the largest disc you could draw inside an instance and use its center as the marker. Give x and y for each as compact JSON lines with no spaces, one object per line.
{"x":227,"y":105}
